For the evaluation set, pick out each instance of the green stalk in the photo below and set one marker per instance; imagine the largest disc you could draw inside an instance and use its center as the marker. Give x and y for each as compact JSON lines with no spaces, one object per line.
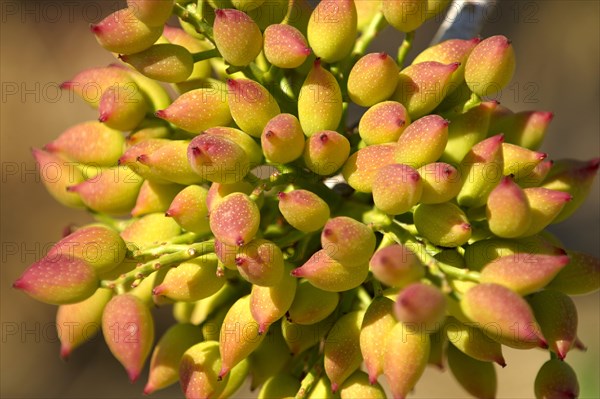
{"x":474,"y":101}
{"x":289,"y":239}
{"x":167,"y":260}
{"x":377,"y":288}
{"x":364,"y":297}
{"x":436,"y":267}
{"x":172,"y":245}
{"x":205,"y":55}
{"x":311,"y":379}
{"x":362,"y":43}
{"x":199,"y":24}
{"x":405,"y":47}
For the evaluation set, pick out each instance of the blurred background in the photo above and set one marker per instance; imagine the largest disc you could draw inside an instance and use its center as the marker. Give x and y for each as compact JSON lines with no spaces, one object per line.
{"x":44,"y":43}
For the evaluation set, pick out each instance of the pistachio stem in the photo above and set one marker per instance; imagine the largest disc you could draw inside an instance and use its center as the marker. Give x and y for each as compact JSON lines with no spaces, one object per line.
{"x":309,"y":181}
{"x":160,"y":250}
{"x":191,"y":17}
{"x":364,"y":297}
{"x":311,"y":379}
{"x":436,"y":267}
{"x":205,"y":55}
{"x":377,"y":24}
{"x":145,"y":269}
{"x":289,"y":239}
{"x":377,"y":288}
{"x":405,"y":47}
{"x":169,"y":246}
{"x":474,"y":101}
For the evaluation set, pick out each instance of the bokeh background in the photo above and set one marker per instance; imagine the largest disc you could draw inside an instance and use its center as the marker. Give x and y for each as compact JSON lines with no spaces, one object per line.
{"x":44,"y":43}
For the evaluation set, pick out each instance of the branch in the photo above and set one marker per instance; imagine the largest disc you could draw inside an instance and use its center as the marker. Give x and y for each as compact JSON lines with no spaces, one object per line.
{"x":464,"y":20}
{"x":145,"y":269}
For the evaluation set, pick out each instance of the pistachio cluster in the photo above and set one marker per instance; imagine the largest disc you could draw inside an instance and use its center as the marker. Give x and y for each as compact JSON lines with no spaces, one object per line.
{"x":219,"y":203}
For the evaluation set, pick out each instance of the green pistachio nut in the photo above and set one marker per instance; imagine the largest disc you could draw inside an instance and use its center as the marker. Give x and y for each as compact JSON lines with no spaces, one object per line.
{"x":525,"y":274}
{"x":361,"y":167}
{"x":251,"y":105}
{"x":122,"y":108}
{"x":260,"y":262}
{"x":396,"y":266}
{"x":329,"y":274}
{"x":372,"y":79}
{"x":121,"y":32}
{"x":167,"y":354}
{"x":377,"y":323}
{"x":237,"y":36}
{"x":476,"y":377}
{"x":250,"y":147}
{"x":423,"y":86}
{"x":332,"y":29}
{"x":91,"y":83}
{"x":441,"y":183}
{"x":448,"y":52}
{"x":481,"y":170}
{"x":311,"y":305}
{"x":490,"y":66}
{"x":77,"y":323}
{"x":269,"y":359}
{"x":406,"y":355}
{"x":467,"y":129}
{"x":164,"y":62}
{"x":325,"y":152}
{"x":508,"y":210}
{"x":191,"y":280}
{"x":575,"y":178}
{"x":154,"y":197}
{"x":443,"y":224}
{"x":545,"y":206}
{"x":579,"y":276}
{"x":199,"y":370}
{"x":421,"y":307}
{"x":526,"y":129}
{"x":91,"y":143}
{"x":303,"y":210}
{"x":342,"y":355}
{"x":279,"y":386}
{"x":239,"y":335}
{"x":58,"y":279}
{"x":189,"y":209}
{"x":235,"y":219}
{"x":100,"y":246}
{"x":113,"y":191}
{"x":319,"y":101}
{"x":150,"y":230}
{"x":397,"y":188}
{"x":348,"y":241}
{"x":556,"y":379}
{"x":282,"y":139}
{"x":285,"y":46}
{"x":151,"y":12}
{"x":199,"y":109}
{"x":423,"y":141}
{"x":405,"y":15}
{"x":383,"y":123}
{"x":201,"y":69}
{"x":473,"y":342}
{"x":218,"y":159}
{"x":557,"y":316}
{"x":127,"y":316}
{"x":503,"y":315}
{"x":269,"y":304}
